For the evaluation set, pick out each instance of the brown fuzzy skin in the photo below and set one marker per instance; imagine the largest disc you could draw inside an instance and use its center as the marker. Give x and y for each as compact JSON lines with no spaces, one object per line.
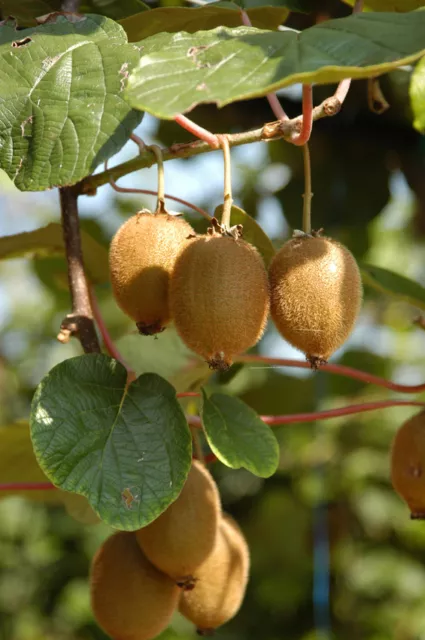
{"x":184,"y":535}
{"x":222,"y":580}
{"x":219,"y":297}
{"x":316,"y":294}
{"x":408,"y":464}
{"x":130,"y":599}
{"x":141,"y":258}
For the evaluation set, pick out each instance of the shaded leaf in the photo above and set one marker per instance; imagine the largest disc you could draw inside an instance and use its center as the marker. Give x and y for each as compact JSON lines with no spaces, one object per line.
{"x":238,"y":436}
{"x":174,"y":19}
{"x":48,"y":241}
{"x":179,"y":71}
{"x":62,"y":111}
{"x":25,"y":11}
{"x":252,"y":232}
{"x":417,"y":95}
{"x":390,"y":5}
{"x":393,"y":284}
{"x":127,"y":450}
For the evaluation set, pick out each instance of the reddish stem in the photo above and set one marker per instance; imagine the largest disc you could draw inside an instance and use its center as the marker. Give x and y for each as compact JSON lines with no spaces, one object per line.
{"x":339,"y":369}
{"x":27,"y":486}
{"x":335,"y":413}
{"x":307,"y":121}
{"x":188,"y":394}
{"x":199,"y":132}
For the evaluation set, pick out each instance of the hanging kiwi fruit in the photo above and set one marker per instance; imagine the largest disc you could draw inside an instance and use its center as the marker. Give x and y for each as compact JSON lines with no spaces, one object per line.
{"x":182,"y":537}
{"x":130,"y":598}
{"x":222,"y":581}
{"x":408,"y":464}
{"x":141,"y":258}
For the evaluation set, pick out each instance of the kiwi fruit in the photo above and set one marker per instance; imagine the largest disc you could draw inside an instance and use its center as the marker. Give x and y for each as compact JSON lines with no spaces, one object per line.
{"x":316,"y":294}
{"x":222,"y":580}
{"x":219,"y":297}
{"x":141,"y":257}
{"x":408,"y":464}
{"x":130,"y":598}
{"x":182,"y":537}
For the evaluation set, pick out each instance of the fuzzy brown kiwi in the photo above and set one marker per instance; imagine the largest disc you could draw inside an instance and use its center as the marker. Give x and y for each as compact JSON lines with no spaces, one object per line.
{"x":130,"y":598}
{"x":184,"y":535}
{"x":316,"y":294}
{"x":222,"y":580}
{"x":141,"y":258}
{"x":408,"y":464}
{"x":219,"y":297}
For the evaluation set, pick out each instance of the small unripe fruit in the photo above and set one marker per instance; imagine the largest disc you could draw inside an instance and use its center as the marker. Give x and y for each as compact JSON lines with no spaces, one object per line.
{"x":184,"y":535}
{"x":222,"y":580}
{"x":316,"y":293}
{"x":141,"y":258}
{"x":130,"y":598}
{"x":219,"y":297}
{"x":408,"y":464}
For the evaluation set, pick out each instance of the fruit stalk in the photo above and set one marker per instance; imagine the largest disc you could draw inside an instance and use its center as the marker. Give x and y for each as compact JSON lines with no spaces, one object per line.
{"x":160,"y":203}
{"x":228,"y":200}
{"x":307,"y":190}
{"x":307,"y":117}
{"x":80,"y":321}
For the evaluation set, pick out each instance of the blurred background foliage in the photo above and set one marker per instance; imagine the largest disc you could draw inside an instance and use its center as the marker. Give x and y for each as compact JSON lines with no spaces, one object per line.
{"x":331,"y":499}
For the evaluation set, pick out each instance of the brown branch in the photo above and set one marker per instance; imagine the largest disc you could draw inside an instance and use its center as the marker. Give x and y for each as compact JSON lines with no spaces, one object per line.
{"x":271,"y":131}
{"x":80,"y":321}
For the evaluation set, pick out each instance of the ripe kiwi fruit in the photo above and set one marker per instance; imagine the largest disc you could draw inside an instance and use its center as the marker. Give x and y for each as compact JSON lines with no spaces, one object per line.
{"x":184,"y":535}
{"x":222,"y":580}
{"x":316,"y":293}
{"x":219,"y":297}
{"x":130,"y":598}
{"x":408,"y":464}
{"x":141,"y":257}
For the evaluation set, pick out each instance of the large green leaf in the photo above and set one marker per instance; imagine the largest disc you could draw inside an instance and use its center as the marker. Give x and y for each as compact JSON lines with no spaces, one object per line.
{"x":238,"y":436}
{"x":399,"y":6}
{"x":62,"y":111}
{"x":127,"y":450}
{"x":417,"y":95}
{"x":252,"y":232}
{"x":173,"y":19}
{"x":179,"y":71}
{"x":25,"y":11}
{"x":394,"y":285}
{"x":48,"y":241}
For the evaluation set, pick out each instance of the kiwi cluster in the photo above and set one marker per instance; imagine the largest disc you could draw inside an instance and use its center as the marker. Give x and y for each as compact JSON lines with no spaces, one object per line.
{"x":408,"y":464}
{"x":193,"y":558}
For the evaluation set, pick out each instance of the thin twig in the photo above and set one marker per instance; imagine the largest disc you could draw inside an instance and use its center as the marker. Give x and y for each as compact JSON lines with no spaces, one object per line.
{"x":375,"y":98}
{"x":80,"y":321}
{"x":338,"y":369}
{"x":307,"y":117}
{"x":201,"y":133}
{"x":307,"y":196}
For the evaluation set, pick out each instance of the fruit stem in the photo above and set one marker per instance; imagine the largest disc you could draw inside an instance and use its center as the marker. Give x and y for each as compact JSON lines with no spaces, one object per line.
{"x":338,"y":369}
{"x":341,"y":411}
{"x":375,"y":98}
{"x":148,"y":192}
{"x":228,"y":200}
{"x":199,"y":132}
{"x":197,"y":445}
{"x":307,"y":196}
{"x":160,"y":204}
{"x":307,"y":118}
{"x":272,"y":98}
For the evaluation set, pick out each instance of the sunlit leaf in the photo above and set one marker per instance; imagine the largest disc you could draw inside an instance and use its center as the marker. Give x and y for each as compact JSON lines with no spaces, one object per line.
{"x":394,"y":285}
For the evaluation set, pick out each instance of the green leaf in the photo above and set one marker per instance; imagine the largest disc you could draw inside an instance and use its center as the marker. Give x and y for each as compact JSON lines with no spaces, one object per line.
{"x":127,"y":451}
{"x":25,"y":11}
{"x":417,"y":95}
{"x":399,"y":6}
{"x":238,"y":436}
{"x":179,"y":71}
{"x":252,"y":232}
{"x":62,"y":111}
{"x":48,"y":241}
{"x":191,"y":20}
{"x":393,"y":284}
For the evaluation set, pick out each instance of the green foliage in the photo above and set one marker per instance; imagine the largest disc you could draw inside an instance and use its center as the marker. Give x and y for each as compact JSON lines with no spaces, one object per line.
{"x":238,"y":436}
{"x":44,"y":90}
{"x":417,"y":95}
{"x":394,"y":284}
{"x":391,"y":5}
{"x":25,"y":11}
{"x":128,"y":450}
{"x":179,"y":71}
